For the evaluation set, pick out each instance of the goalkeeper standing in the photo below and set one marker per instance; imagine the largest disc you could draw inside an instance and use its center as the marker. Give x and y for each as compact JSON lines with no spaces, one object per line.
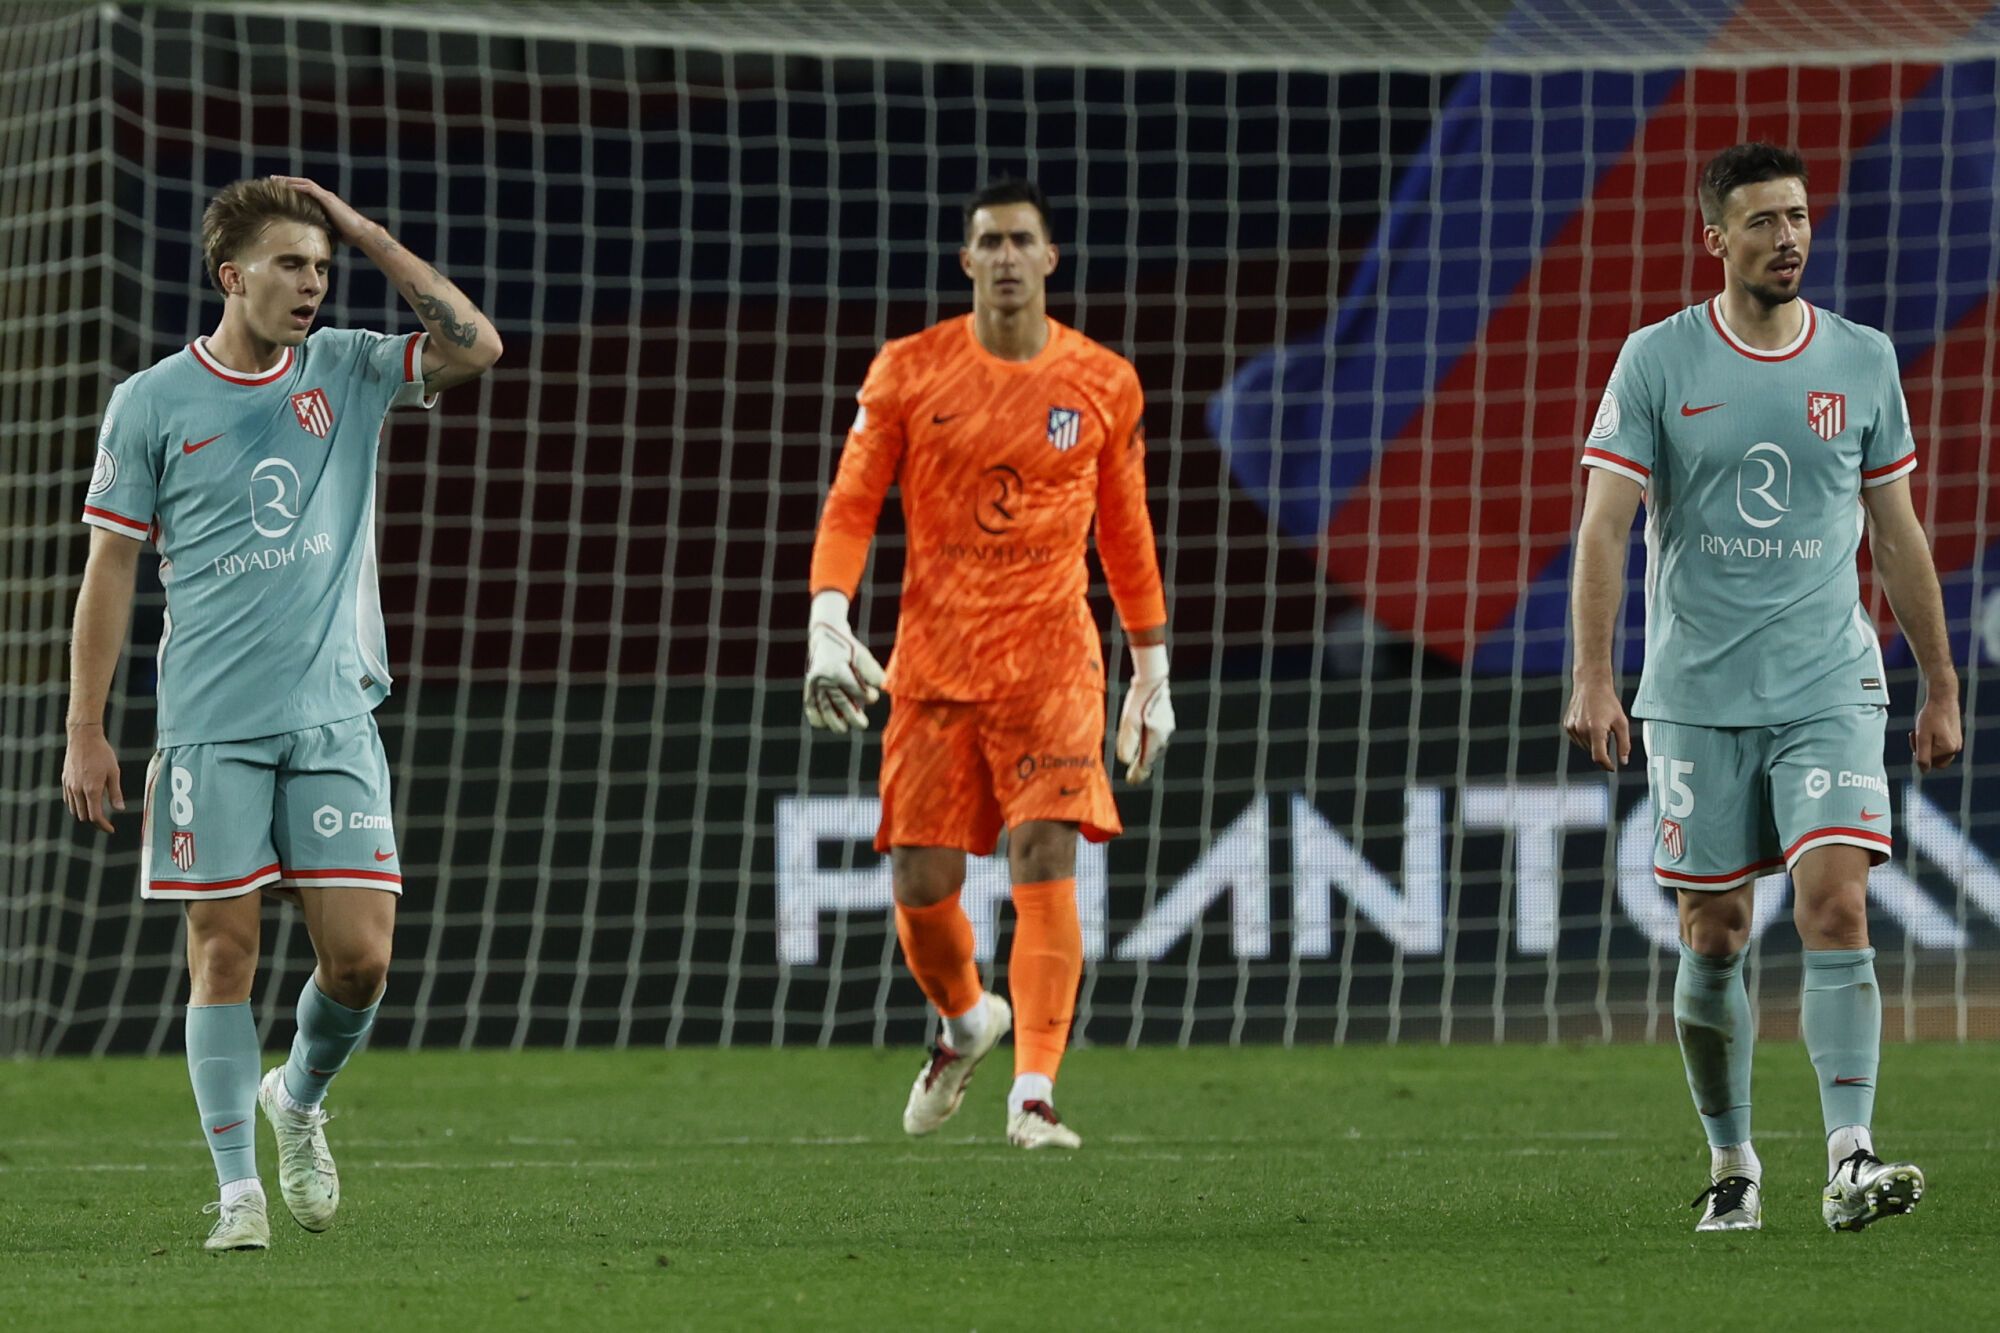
{"x":248,"y":459}
{"x":1008,"y":434}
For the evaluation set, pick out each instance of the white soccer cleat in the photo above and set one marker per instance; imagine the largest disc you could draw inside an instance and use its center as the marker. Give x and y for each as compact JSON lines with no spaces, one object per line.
{"x":941,"y":1084}
{"x":1735,"y":1203}
{"x":242,"y":1225}
{"x":1036,"y":1125}
{"x":1866,"y":1189}
{"x":306,"y":1174}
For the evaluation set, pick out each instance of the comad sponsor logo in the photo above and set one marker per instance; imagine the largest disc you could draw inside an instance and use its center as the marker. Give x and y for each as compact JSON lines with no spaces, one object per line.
{"x":330,"y":819}
{"x":1820,"y":781}
{"x":1764,"y":485}
{"x":1000,"y":501}
{"x":1030,"y":764}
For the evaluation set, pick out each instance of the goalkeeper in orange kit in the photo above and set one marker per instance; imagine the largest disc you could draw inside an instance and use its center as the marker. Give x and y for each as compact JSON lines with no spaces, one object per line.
{"x":1008,"y":433}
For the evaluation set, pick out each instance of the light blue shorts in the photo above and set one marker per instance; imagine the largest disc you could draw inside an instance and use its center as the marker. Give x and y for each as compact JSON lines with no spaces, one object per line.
{"x":304,"y":810}
{"x":1731,"y":804}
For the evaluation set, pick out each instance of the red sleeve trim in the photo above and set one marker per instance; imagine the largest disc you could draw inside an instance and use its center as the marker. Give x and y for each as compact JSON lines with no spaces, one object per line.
{"x":1907,"y":460}
{"x":131,"y":525}
{"x":1605,"y":456}
{"x":410,"y":359}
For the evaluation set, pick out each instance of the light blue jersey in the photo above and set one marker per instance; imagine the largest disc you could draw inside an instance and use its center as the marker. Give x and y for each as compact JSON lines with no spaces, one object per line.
{"x":1753,"y":464}
{"x":259,"y":491}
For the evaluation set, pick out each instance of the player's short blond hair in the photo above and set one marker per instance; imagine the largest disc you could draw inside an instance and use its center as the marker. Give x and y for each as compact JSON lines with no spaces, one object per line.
{"x":237,"y":217}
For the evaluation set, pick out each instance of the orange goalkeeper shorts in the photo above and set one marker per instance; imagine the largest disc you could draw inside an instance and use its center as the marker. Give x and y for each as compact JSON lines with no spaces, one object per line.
{"x":953,"y":774}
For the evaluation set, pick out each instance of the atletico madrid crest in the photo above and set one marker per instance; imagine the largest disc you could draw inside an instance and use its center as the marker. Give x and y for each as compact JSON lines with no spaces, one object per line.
{"x":315,"y":413}
{"x":1670,"y":838}
{"x":1826,"y":413}
{"x":1063,"y":425}
{"x":181,"y":849}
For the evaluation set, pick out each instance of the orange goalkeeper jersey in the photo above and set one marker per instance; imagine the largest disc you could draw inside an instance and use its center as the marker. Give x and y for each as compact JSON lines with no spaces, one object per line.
{"x":1003,"y":465}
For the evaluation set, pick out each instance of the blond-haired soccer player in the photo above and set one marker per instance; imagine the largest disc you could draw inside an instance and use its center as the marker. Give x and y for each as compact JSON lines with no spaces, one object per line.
{"x":248,"y":459}
{"x":1009,"y":434}
{"x":1762,"y":432}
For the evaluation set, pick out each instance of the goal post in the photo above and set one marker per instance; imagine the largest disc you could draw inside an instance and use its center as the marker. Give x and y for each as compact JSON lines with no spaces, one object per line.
{"x":1372,"y":262}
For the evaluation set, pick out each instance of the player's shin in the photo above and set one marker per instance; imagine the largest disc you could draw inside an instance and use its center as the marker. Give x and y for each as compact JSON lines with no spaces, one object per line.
{"x":1042,"y":975}
{"x":329,"y":1033}
{"x":222,"y":1056}
{"x":1717,"y":1032}
{"x":1840,"y":1015}
{"x":937,"y":946}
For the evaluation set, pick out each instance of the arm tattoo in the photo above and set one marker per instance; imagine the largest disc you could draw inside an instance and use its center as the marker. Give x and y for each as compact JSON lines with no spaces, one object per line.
{"x":445,"y":318}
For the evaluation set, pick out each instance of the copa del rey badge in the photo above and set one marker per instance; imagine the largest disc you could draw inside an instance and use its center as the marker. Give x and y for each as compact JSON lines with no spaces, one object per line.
{"x":1671,"y":839}
{"x":181,"y":848}
{"x":1826,"y":413}
{"x":315,"y":413}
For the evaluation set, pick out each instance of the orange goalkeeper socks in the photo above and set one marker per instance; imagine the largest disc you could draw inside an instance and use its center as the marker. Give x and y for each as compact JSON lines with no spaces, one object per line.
{"x":1042,"y":973}
{"x":937,"y":945}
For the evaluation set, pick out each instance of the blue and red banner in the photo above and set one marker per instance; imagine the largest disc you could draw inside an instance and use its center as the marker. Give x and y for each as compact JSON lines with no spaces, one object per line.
{"x":1426,"y":439}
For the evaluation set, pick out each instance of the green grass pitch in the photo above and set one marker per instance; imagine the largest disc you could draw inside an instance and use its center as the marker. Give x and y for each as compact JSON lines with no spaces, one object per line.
{"x":1518,"y":1187}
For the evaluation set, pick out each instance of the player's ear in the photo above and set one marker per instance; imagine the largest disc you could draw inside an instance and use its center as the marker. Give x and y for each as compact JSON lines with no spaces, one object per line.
{"x":230,"y":277}
{"x":965,"y":260}
{"x":1050,"y":254}
{"x":1712,"y":240}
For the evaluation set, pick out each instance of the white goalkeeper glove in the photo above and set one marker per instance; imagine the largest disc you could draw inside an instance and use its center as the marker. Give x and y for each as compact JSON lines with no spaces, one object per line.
{"x":1146,"y":722}
{"x":842,"y":676}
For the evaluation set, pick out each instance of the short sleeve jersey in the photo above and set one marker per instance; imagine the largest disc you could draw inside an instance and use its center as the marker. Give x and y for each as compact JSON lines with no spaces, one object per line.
{"x":1004,"y":467}
{"x":1754,"y":463}
{"x":259,"y":492}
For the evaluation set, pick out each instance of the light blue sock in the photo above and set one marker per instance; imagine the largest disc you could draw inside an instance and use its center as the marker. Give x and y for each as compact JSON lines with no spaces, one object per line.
{"x":328,"y":1034}
{"x":222,"y":1055}
{"x":1712,"y":1015}
{"x":1840,"y":1015}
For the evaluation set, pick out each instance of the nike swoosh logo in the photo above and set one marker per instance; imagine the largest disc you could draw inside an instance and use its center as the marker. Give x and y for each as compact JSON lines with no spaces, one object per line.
{"x":937,"y":420}
{"x":1068,"y":791}
{"x":224,"y":1129}
{"x":385,"y":856}
{"x":1877,"y":815}
{"x":1849,"y":1082}
{"x":1687,"y":411}
{"x":321,"y":1073}
{"x":187,"y":448}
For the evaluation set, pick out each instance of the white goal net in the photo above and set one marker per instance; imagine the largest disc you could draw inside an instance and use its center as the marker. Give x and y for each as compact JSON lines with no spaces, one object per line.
{"x":1372,"y":260}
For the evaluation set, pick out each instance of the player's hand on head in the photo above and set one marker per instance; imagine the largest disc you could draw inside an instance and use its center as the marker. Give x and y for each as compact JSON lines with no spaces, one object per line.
{"x":842,"y":676}
{"x":92,"y":788}
{"x":346,"y":220}
{"x":1596,"y":721}
{"x":1146,"y":722}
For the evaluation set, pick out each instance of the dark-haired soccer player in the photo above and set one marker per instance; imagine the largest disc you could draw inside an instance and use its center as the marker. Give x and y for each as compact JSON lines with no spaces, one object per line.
{"x":248,"y":459}
{"x":1009,"y":435}
{"x":1761,"y":433}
